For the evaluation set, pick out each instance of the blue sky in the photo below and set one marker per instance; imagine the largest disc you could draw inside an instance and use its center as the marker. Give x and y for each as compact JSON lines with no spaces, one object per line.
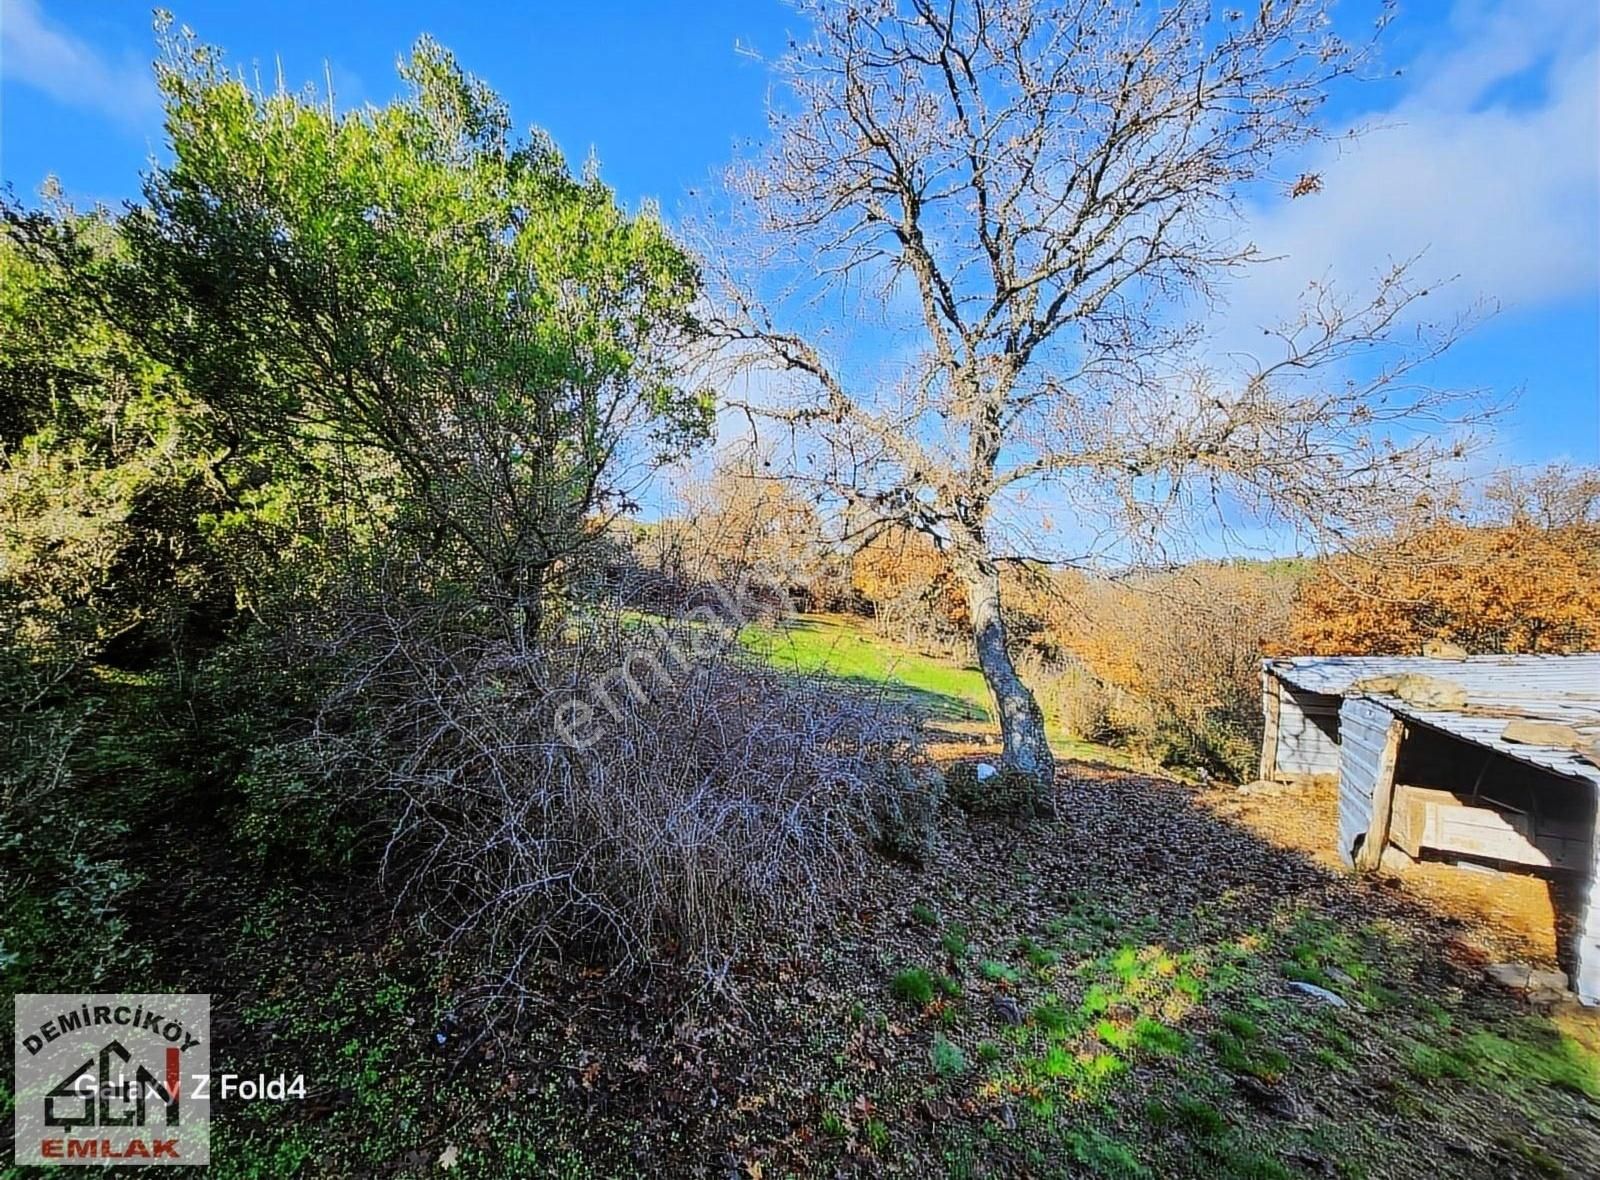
{"x":1488,"y":156}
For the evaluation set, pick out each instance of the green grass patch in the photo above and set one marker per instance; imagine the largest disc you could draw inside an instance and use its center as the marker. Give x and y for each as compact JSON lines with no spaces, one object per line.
{"x":947,"y":1058}
{"x":1037,"y":954}
{"x":997,"y":972}
{"x":1104,"y":1155}
{"x":914,"y":985}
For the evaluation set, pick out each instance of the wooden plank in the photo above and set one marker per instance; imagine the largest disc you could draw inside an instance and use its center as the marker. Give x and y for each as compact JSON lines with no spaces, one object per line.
{"x":1444,"y":821}
{"x":1407,"y":820}
{"x":1271,"y":705}
{"x":1371,"y":850}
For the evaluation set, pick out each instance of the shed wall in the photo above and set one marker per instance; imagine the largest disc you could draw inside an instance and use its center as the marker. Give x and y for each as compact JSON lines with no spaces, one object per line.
{"x":1363,"y":729}
{"x":1308,"y":732}
{"x":1587,"y":983}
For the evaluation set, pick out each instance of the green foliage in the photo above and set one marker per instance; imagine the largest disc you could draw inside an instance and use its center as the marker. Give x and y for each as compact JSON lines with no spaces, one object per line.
{"x":1103,"y":1155}
{"x":476,"y":332}
{"x":1240,"y":1049}
{"x":1053,"y":1017}
{"x":913,"y":985}
{"x":106,"y":465}
{"x":947,"y":1058}
{"x":1198,"y":1117}
{"x":1039,"y":955}
{"x":954,"y":943}
{"x":1535,"y":1054}
{"x":997,"y":972}
{"x":925,"y":915}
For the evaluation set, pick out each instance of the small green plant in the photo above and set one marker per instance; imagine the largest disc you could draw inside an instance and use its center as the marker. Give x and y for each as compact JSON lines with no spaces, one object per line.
{"x":954,"y":942}
{"x":1240,"y":1025}
{"x":1198,"y":1116}
{"x":1154,"y":1037}
{"x":988,"y":1052}
{"x":1039,"y":955}
{"x":1238,"y":1048}
{"x":1105,"y":1156}
{"x":925,"y":915}
{"x":833,"y":1124}
{"x":1052,"y":1017}
{"x":947,"y":1058}
{"x":948,"y":985}
{"x":914,"y":985}
{"x":997,"y":972}
{"x":877,"y":1134}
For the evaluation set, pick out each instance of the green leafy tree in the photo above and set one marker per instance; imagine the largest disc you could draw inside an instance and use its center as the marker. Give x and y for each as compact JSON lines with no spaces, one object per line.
{"x":441,"y":307}
{"x":105,"y":463}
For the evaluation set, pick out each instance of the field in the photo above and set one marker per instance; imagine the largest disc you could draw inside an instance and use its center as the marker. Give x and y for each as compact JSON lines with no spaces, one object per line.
{"x":949,"y":693}
{"x":1111,"y":993}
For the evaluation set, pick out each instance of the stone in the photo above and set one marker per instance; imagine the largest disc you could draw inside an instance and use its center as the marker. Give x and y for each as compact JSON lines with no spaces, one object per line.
{"x":1530,"y":732}
{"x":986,"y":772}
{"x":1550,"y":981}
{"x":1508,"y":974}
{"x":1318,"y":993}
{"x":1523,"y":977}
{"x":1425,"y":692}
{"x":1008,"y":1010}
{"x":1395,"y":860}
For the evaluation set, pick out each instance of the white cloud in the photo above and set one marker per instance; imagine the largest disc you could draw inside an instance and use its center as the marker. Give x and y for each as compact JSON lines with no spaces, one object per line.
{"x":1489,"y":162}
{"x":47,"y":57}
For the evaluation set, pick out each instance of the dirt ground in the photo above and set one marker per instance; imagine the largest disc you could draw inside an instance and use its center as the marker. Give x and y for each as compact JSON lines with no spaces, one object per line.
{"x":1502,"y":915}
{"x":1506,"y":916}
{"x":1119,"y":992}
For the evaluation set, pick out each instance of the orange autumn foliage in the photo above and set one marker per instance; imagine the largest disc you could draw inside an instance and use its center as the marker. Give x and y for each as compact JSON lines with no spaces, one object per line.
{"x":1511,"y":588}
{"x":901,"y":572}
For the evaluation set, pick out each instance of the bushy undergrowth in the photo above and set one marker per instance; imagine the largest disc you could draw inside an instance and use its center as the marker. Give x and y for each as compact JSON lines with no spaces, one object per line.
{"x":641,"y":791}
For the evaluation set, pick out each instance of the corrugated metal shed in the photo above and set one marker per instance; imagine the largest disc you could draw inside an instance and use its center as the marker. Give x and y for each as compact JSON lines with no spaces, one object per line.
{"x":1564,"y":689}
{"x":1363,"y":727}
{"x":1561,"y":689}
{"x":1308,"y":732}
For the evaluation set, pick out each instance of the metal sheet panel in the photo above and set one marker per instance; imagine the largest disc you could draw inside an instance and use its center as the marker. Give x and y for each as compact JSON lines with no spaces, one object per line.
{"x":1363,"y":729}
{"x":1308,"y":732}
{"x":1494,"y":676}
{"x":1564,"y":689}
{"x":1587,"y":983}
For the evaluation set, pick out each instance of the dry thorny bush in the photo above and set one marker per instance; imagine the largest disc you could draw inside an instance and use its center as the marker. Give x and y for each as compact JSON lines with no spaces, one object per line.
{"x":714,"y":801}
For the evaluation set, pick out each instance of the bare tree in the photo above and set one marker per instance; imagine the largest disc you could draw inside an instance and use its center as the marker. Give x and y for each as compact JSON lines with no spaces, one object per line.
{"x":1052,"y":190}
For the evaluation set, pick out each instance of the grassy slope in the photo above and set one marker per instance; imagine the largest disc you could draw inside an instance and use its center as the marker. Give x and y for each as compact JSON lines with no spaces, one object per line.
{"x":1145,"y":942}
{"x":940,"y":689}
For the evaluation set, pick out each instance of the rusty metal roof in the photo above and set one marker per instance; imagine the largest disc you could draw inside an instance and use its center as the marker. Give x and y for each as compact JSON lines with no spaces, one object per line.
{"x":1562,"y":689}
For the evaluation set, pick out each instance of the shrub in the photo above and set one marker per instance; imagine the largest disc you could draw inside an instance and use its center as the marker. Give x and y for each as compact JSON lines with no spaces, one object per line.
{"x":1005,"y":792}
{"x":640,"y":790}
{"x":904,"y":818}
{"x":1177,"y":654}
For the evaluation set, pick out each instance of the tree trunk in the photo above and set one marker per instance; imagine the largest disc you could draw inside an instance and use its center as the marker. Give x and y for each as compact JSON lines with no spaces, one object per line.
{"x":1026,"y":753}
